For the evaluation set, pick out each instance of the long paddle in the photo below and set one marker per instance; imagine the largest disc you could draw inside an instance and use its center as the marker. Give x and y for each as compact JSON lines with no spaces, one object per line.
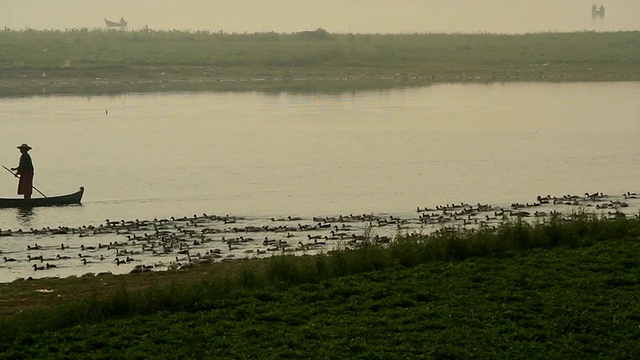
{"x":14,"y":174}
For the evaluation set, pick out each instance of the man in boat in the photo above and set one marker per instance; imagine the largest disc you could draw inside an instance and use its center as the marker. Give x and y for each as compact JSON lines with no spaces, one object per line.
{"x":25,"y":171}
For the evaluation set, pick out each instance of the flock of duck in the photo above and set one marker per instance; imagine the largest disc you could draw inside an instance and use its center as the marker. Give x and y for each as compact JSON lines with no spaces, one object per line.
{"x":136,"y":246}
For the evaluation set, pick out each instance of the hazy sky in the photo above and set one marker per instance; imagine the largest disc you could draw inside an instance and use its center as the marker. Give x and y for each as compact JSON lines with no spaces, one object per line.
{"x":343,"y":16}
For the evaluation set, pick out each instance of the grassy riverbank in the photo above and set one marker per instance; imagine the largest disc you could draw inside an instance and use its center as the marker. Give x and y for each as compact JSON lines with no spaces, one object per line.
{"x":84,"y":61}
{"x":549,"y":290}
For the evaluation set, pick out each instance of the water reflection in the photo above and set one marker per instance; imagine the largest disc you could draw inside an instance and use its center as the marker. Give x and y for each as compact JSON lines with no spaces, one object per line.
{"x":25,"y":216}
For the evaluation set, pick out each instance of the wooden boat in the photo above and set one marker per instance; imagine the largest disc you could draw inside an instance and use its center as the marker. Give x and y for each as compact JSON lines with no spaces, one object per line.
{"x":122,"y":23}
{"x":70,"y":199}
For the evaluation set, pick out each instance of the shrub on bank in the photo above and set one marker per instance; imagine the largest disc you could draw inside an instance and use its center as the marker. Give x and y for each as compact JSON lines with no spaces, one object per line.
{"x":89,"y":54}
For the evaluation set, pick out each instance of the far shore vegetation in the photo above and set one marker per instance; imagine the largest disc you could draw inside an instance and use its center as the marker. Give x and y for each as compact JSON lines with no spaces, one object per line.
{"x":548,"y":289}
{"x":112,"y":61}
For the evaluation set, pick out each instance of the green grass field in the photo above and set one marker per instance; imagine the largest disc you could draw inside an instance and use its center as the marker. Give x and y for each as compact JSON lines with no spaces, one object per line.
{"x":83,"y":60}
{"x":550,"y":290}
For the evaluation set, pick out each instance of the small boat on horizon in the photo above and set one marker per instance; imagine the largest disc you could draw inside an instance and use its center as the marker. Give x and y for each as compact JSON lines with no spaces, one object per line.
{"x":121,"y":24}
{"x":70,"y":199}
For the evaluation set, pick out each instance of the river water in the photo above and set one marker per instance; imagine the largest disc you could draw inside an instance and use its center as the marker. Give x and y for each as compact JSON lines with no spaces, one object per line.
{"x":255,"y":156}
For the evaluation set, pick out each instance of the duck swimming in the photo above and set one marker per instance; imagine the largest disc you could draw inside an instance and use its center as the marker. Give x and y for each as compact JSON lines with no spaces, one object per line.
{"x":35,"y":257}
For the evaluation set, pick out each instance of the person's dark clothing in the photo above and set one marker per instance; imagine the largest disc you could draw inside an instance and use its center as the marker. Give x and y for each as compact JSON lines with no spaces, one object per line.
{"x":25,"y":170}
{"x":26,"y":165}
